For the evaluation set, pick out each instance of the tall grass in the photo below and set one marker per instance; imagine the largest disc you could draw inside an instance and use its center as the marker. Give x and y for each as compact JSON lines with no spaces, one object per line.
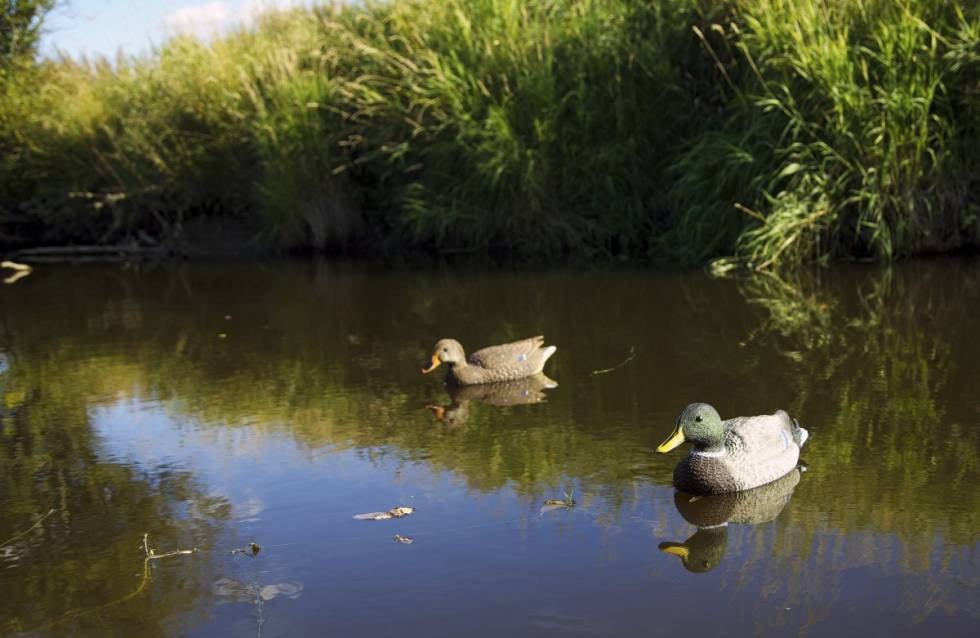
{"x":780,"y":132}
{"x":847,"y":129}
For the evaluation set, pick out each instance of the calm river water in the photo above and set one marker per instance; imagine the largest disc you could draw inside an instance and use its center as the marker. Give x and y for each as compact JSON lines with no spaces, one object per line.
{"x":211,"y":406}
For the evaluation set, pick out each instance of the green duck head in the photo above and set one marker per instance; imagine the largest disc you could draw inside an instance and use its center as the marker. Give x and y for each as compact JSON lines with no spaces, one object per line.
{"x":447,"y":351}
{"x":700,"y":424}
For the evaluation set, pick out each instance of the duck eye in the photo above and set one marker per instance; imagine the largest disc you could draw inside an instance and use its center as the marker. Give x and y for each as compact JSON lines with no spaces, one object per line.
{"x":698,"y":418}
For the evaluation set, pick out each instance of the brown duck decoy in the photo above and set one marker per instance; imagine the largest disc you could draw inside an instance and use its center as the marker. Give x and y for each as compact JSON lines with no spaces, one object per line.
{"x":491,"y":365}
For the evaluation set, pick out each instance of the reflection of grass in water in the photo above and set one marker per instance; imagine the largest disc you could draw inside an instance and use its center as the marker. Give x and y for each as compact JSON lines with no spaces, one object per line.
{"x":75,"y":614}
{"x":83,"y":553}
{"x":892,"y":461}
{"x":803,"y":318}
{"x":888,"y":353}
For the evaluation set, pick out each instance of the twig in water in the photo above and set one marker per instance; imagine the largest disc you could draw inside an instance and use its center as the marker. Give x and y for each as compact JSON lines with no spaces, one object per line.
{"x":151,"y":553}
{"x":616,"y":367}
{"x":20,"y":274}
{"x":252,"y":549}
{"x":30,"y":529}
{"x":13,"y":265}
{"x":78,"y":613}
{"x":20,"y":271}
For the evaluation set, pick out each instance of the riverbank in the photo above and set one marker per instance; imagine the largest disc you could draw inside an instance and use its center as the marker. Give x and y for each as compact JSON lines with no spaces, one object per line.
{"x":776,"y":132}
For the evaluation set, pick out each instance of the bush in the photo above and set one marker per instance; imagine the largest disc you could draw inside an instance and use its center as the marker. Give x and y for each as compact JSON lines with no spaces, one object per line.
{"x":596,"y":128}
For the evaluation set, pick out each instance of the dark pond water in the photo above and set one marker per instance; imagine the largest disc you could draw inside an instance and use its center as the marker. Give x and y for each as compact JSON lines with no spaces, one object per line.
{"x":211,"y":406}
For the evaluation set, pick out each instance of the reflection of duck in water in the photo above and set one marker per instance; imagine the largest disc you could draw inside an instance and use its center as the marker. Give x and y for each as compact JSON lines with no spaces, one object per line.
{"x":711,"y":514}
{"x":518,"y":392}
{"x":8,"y":398}
{"x":732,"y":455}
{"x":507,"y":362}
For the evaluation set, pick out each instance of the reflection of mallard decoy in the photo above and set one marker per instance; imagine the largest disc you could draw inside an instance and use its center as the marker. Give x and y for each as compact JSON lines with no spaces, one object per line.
{"x":518,"y":392}
{"x":711,"y":514}
{"x":702,"y":551}
{"x":737,"y":454}
{"x":750,"y":507}
{"x":490,"y":365}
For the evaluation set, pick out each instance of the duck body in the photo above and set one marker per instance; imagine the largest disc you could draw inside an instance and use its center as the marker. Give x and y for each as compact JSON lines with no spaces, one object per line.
{"x":733,"y":455}
{"x":494,"y":364}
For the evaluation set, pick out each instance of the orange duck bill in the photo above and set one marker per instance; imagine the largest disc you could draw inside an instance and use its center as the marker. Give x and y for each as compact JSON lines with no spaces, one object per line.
{"x":435,"y":364}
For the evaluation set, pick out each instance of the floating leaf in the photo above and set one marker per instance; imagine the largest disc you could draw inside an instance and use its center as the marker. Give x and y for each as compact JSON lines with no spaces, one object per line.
{"x":552,"y":507}
{"x":289,"y":590}
{"x":246,"y":592}
{"x":251,"y":549}
{"x":395,"y":512}
{"x":552,"y":504}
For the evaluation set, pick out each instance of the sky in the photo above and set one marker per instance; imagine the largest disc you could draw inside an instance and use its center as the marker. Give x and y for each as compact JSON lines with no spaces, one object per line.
{"x":104,"y":27}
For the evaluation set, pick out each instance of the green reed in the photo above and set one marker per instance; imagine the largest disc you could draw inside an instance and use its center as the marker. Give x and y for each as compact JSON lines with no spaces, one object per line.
{"x":849,"y":118}
{"x":774,"y":131}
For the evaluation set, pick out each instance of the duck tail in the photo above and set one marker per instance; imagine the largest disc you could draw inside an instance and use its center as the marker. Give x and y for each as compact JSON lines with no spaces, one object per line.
{"x":544,"y":353}
{"x":800,"y":435}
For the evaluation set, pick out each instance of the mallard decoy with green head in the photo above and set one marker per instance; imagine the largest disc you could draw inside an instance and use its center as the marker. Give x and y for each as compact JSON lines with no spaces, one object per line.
{"x":733,"y":455}
{"x":493,"y":364}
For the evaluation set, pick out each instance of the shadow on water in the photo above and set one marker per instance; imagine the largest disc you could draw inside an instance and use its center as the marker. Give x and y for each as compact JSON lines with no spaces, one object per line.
{"x":312,"y":367}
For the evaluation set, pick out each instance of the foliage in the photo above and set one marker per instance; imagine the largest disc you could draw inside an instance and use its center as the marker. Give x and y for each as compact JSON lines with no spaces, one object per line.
{"x":20,"y":24}
{"x":777,"y":131}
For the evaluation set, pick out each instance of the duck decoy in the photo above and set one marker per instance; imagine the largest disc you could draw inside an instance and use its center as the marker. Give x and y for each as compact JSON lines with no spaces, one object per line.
{"x":493,"y":364}
{"x":733,"y":455}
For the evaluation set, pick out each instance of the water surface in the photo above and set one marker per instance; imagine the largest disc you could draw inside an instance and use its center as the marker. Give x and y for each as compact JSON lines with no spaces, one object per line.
{"x":209,"y":406}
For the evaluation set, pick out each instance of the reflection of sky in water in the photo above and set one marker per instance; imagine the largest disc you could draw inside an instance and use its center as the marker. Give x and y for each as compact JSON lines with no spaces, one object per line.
{"x":264,"y":474}
{"x":487,"y":563}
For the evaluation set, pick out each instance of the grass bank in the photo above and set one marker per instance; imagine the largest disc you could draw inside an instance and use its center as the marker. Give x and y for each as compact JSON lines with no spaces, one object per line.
{"x":779,"y":132}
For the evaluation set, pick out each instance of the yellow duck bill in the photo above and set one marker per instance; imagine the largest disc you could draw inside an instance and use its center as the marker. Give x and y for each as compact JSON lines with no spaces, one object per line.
{"x":675,"y":439}
{"x":675,"y":549}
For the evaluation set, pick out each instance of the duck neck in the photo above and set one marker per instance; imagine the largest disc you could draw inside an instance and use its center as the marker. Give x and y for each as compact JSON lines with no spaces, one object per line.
{"x":712,"y":446}
{"x":714,"y":451}
{"x":707,"y":435}
{"x":457,"y":370}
